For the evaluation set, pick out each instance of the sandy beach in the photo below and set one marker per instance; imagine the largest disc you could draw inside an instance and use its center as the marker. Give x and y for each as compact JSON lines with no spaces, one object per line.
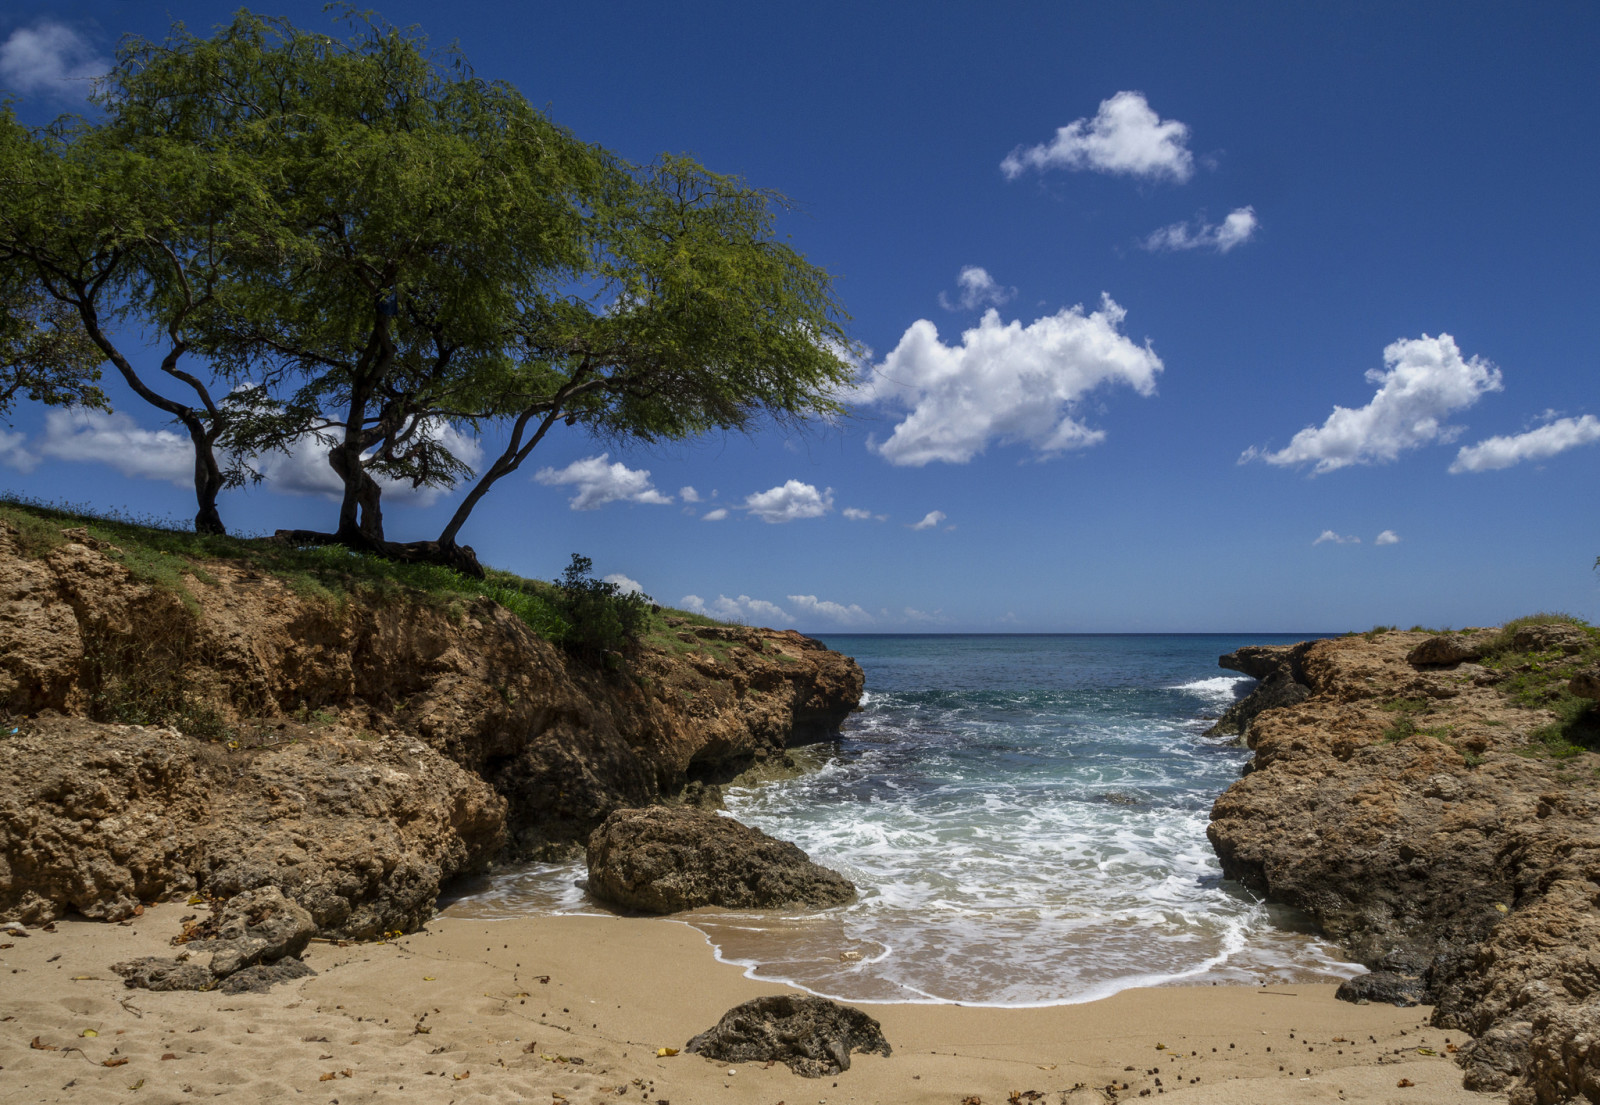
{"x":575,"y":1009}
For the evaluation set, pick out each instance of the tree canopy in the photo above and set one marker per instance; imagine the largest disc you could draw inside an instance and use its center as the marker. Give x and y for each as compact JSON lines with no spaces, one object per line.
{"x":380,"y":255}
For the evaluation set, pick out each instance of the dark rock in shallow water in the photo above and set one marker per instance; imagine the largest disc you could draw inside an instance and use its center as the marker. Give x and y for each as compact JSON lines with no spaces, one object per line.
{"x":662,"y":860}
{"x":811,"y":1036}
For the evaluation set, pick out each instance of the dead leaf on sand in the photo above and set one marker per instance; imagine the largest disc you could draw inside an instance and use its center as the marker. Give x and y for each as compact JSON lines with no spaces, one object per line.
{"x":463,"y":1076}
{"x":122,"y":1061}
{"x":40,"y":1045}
{"x":1405,"y":1082}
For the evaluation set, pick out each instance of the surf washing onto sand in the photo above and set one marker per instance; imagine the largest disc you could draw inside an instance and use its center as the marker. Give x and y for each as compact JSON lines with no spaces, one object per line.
{"x":1025,"y":818}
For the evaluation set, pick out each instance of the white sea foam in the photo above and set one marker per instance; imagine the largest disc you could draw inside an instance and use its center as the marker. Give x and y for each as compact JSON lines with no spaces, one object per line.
{"x":1220,"y":691}
{"x":1012,"y":846}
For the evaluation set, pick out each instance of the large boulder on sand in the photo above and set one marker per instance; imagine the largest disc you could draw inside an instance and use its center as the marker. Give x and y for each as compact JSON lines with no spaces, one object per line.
{"x":662,"y":860}
{"x":811,"y":1036}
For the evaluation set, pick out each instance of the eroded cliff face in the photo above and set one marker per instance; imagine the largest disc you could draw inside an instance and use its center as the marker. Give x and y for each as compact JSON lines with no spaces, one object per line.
{"x":1406,"y":802}
{"x":356,"y":754}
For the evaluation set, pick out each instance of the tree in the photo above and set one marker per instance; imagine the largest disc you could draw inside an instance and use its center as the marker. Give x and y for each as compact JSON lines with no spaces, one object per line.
{"x":425,"y":253}
{"x":125,"y":236}
{"x":44,"y":353}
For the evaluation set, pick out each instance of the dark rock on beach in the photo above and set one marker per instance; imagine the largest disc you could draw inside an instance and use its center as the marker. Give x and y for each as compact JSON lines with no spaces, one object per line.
{"x":254,"y":942}
{"x":662,"y":860}
{"x":1411,"y":806}
{"x":812,"y":1036}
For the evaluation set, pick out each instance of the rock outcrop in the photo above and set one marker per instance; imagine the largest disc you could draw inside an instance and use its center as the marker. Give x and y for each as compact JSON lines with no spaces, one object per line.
{"x":663,"y":860}
{"x":354,"y":753}
{"x":1413,"y":804}
{"x":1279,"y":682}
{"x":99,"y":818}
{"x":812,"y":1036}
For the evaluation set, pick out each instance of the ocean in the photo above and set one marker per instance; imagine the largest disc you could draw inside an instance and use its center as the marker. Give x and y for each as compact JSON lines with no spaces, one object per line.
{"x":1025,"y":818}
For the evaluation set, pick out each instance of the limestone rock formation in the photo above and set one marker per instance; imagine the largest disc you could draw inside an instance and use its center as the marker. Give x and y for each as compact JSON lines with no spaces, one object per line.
{"x":1276,"y":668}
{"x":355,"y":754}
{"x":812,"y":1036}
{"x":1415,"y":812}
{"x":360,"y":833}
{"x":663,"y":860}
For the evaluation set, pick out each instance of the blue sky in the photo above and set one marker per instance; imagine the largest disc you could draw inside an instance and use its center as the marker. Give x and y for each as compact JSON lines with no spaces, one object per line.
{"x":1294,"y":311}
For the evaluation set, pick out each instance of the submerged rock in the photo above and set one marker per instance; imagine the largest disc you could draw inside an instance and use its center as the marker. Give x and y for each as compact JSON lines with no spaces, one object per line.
{"x":662,"y":860}
{"x":811,"y":1036}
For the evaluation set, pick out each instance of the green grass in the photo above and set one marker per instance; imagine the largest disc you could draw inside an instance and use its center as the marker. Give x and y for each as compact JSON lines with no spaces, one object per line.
{"x":159,"y":553}
{"x":1537,"y":680}
{"x":165,"y":554}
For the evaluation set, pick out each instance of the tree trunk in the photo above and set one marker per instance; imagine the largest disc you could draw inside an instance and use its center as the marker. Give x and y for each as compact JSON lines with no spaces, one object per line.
{"x":208,"y":480}
{"x":360,"y":515}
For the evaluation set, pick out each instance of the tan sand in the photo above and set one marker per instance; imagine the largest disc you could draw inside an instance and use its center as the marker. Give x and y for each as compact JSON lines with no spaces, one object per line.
{"x":553,"y":1009}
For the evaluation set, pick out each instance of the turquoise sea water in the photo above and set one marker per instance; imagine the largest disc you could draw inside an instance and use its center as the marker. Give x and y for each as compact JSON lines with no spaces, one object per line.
{"x":1025,"y":817}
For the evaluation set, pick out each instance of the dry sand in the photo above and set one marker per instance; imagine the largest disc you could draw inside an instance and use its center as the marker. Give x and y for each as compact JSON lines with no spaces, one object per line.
{"x":553,"y":1009}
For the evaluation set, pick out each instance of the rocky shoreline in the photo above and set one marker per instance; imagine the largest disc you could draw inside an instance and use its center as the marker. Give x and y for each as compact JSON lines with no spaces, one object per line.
{"x":1406,"y":792}
{"x":356,"y":755}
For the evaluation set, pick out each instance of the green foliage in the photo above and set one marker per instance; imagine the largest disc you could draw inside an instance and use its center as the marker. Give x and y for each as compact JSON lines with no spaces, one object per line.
{"x":395,"y":255}
{"x":44,"y":353}
{"x":601,"y":617}
{"x":1538,"y":680}
{"x":1377,"y":631}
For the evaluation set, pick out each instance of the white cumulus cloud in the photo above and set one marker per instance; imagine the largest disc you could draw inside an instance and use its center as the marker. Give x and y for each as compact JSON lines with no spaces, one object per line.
{"x":14,"y":452}
{"x":1387,"y":537}
{"x":304,"y":468}
{"x":978,"y":289}
{"x":1125,"y":136}
{"x":599,"y":483}
{"x":1426,"y":381}
{"x":1235,"y":230}
{"x":624,"y":585}
{"x":715,"y":515}
{"x":49,"y":57}
{"x":76,"y":434}
{"x":810,"y":605}
{"x":1555,"y":436}
{"x":688,"y":494}
{"x":1005,"y":382}
{"x":789,"y":502}
{"x":929,"y":520}
{"x":744,"y":609}
{"x":1328,"y":536}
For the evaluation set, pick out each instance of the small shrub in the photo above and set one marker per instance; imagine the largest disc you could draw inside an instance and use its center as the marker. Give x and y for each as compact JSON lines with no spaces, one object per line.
{"x":601,"y":617}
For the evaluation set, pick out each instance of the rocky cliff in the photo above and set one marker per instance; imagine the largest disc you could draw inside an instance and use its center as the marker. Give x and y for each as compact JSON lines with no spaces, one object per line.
{"x":1421,"y":797}
{"x":355,"y":753}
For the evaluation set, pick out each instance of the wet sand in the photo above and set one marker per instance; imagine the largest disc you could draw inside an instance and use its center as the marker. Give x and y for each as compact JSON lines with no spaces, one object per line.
{"x":551,"y":1009}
